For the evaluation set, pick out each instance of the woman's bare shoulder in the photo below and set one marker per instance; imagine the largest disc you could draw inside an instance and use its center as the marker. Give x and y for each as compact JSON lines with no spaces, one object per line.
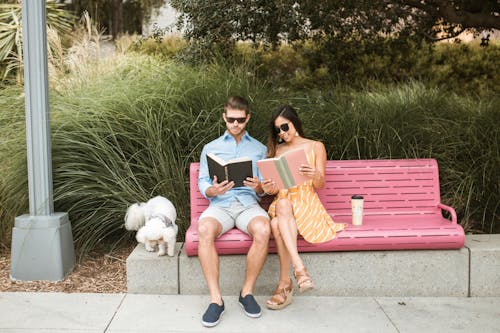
{"x":315,"y":144}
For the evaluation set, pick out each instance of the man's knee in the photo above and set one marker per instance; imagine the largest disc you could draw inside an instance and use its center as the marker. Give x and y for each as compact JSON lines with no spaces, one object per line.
{"x":260,"y":229}
{"x":208,"y":229}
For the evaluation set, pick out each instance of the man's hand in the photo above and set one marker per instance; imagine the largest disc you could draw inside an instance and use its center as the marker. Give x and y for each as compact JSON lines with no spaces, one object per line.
{"x":219,"y":188}
{"x":254,"y":183}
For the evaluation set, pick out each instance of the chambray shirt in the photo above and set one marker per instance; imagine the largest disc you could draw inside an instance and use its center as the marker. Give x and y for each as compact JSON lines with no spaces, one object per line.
{"x":226,"y":148}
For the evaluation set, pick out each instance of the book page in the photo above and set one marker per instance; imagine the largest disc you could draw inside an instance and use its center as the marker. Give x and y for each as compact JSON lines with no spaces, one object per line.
{"x":215,"y":168}
{"x":239,"y":159}
{"x":216,"y":158}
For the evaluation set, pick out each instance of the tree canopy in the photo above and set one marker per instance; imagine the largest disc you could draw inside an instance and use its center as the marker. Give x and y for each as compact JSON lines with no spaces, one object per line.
{"x":290,"y":20}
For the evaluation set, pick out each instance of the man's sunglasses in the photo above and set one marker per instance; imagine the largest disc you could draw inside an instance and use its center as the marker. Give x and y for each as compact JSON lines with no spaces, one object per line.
{"x":239,"y":120}
{"x":283,"y":127}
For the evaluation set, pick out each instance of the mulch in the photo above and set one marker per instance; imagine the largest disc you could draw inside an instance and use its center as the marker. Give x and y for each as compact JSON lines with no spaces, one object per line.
{"x":99,"y":272}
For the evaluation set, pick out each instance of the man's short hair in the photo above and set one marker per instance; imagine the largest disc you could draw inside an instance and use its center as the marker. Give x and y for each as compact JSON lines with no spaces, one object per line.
{"x":237,"y":103}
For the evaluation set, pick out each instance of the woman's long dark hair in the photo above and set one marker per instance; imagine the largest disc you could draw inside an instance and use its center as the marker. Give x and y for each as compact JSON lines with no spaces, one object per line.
{"x":287,"y":112}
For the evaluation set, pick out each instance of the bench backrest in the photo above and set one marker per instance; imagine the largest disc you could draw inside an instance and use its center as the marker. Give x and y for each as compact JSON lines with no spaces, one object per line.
{"x":389,"y":187}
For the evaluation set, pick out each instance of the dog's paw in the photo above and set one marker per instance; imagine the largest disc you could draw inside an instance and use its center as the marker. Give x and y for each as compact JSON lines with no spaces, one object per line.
{"x":149,"y":249}
{"x":161,"y":253}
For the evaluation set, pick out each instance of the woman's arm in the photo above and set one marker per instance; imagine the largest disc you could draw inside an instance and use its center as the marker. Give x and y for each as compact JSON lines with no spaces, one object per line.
{"x":319,"y":174}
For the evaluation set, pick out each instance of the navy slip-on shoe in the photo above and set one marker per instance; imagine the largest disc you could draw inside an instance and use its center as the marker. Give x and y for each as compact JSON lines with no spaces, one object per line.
{"x":211,"y":317}
{"x":250,"y":306}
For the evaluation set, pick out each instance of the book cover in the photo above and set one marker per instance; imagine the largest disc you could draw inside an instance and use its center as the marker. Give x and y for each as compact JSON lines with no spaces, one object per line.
{"x":237,"y":169}
{"x":284,"y":170}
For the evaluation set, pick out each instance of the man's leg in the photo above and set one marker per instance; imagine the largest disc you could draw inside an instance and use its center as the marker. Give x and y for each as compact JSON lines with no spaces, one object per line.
{"x":260,"y":230}
{"x":208,"y":229}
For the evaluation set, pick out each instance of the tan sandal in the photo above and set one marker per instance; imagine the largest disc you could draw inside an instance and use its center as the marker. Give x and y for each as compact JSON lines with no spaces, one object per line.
{"x":304,"y":281}
{"x":281,"y":298}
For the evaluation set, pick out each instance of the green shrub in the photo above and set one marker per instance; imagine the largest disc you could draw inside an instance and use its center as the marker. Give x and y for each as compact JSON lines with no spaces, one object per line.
{"x":464,"y":68}
{"x":460,"y":68}
{"x":160,"y":46}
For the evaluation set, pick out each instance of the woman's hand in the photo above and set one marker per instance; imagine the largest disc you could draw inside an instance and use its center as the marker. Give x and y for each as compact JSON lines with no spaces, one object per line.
{"x":309,"y":171}
{"x":269,"y":187}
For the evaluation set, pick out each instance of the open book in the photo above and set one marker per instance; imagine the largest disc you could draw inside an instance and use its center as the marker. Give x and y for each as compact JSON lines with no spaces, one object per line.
{"x":284,"y":170}
{"x":236,"y":169}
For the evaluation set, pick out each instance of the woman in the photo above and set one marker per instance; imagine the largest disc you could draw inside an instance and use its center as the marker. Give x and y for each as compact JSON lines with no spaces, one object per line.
{"x":297,"y":209}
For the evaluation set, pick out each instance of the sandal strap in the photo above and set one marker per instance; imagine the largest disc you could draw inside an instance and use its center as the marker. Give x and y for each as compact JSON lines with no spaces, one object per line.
{"x":279,"y":295}
{"x":302,"y":276}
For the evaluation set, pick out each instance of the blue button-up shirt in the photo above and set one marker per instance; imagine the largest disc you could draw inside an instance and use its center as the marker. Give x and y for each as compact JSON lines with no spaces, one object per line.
{"x":226,"y":148}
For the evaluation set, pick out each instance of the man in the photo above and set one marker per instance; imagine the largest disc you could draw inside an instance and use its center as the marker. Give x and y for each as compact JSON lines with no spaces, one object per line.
{"x":232,"y":206}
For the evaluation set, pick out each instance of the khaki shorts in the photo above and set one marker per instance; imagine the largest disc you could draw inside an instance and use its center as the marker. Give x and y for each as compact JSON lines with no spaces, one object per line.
{"x":236,"y":215}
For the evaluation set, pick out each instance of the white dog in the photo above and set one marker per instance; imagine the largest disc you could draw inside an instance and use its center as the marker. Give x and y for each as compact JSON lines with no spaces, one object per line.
{"x":155,"y":224}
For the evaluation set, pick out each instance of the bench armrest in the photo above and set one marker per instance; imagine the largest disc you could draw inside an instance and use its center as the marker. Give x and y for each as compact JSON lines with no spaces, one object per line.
{"x":450,"y":210}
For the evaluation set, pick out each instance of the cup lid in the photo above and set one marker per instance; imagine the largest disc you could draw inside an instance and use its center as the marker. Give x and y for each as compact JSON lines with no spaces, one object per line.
{"x":357,"y":196}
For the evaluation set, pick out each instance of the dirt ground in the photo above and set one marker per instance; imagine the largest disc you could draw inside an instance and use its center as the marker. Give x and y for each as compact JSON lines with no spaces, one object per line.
{"x":99,"y":272}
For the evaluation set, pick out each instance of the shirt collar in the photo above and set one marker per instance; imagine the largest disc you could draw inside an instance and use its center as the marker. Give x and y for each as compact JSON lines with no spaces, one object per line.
{"x":229,"y":136}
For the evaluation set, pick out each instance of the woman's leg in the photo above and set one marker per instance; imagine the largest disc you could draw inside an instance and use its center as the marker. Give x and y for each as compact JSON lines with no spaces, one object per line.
{"x":283,"y":293}
{"x":288,"y":231}
{"x":283,"y":254}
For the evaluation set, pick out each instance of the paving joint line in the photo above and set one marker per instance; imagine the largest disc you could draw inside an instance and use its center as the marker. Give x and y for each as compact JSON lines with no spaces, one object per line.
{"x":385,"y":313}
{"x":114,"y":314}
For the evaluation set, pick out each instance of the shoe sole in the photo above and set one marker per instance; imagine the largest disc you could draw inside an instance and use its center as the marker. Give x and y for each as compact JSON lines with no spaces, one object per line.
{"x":306,"y":288}
{"x":207,"y":324}
{"x":251,"y":315}
{"x":286,"y":303}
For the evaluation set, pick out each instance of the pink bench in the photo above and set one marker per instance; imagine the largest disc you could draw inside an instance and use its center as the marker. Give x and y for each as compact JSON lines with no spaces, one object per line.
{"x":402,"y":209}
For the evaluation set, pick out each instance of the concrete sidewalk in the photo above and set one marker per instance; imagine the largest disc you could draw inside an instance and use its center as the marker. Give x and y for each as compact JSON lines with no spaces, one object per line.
{"x":59,"y":312}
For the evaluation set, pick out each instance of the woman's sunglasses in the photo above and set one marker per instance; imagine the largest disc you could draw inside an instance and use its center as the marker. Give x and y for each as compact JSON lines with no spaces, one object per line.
{"x":239,"y":120}
{"x":283,"y":127}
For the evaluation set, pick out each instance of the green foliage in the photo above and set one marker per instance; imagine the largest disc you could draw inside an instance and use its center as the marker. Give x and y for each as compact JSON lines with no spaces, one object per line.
{"x":160,"y":46}
{"x":11,"y":34}
{"x":225,"y":21}
{"x":128,"y":129}
{"x":460,"y":68}
{"x":463,"y":67}
{"x":120,"y":136}
{"x":13,"y":156}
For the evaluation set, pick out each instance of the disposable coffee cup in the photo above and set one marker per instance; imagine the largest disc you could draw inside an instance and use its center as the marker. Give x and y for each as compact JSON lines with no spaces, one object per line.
{"x":357,"y":210}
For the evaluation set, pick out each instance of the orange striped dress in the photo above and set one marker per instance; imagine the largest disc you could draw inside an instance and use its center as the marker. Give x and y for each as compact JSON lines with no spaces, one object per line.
{"x":313,"y":221}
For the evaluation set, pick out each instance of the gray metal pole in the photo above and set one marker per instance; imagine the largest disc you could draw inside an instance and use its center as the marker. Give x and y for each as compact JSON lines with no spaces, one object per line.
{"x":42,"y":242}
{"x":37,"y":108}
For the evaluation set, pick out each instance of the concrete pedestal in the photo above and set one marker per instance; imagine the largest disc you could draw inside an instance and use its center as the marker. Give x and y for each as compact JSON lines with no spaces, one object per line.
{"x":148,"y":273}
{"x":484,"y":264}
{"x":42,"y":248}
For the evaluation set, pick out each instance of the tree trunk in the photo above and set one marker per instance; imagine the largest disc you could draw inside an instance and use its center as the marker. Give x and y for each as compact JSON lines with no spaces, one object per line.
{"x":117,"y":18}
